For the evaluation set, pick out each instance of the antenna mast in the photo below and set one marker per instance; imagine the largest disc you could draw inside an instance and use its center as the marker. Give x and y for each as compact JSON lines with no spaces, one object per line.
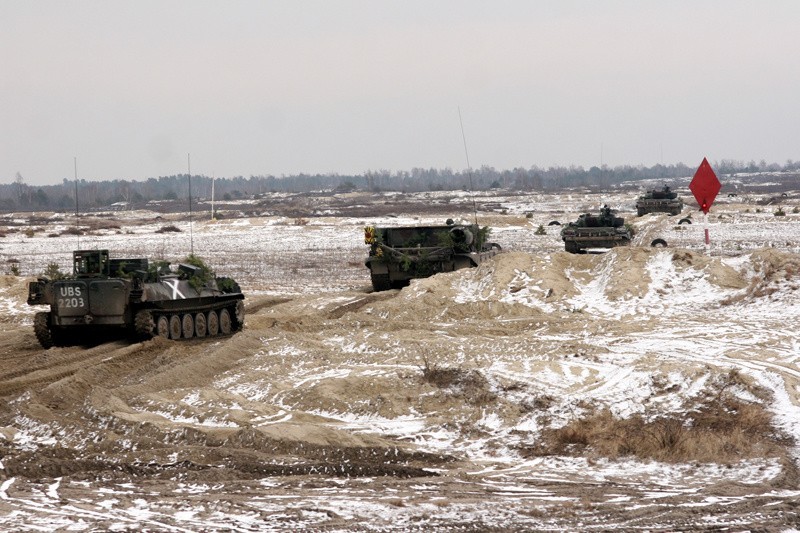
{"x":469,"y":168}
{"x":77,"y":227}
{"x":189,"y":169}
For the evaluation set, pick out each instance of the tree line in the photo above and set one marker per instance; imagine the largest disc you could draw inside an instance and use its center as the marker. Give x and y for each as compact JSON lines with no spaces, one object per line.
{"x":20,"y":196}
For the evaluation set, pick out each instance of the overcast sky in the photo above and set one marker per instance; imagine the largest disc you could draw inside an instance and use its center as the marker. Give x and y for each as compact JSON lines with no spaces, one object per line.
{"x":283,"y":87}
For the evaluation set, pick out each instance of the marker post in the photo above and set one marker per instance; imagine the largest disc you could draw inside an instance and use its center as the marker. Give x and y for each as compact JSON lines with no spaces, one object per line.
{"x":705,"y":186}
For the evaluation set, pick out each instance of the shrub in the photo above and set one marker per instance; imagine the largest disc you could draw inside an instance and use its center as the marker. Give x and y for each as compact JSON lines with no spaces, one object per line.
{"x":483,"y":236}
{"x":540,"y":230}
{"x":169,"y":229}
{"x":53,"y":271}
{"x":779,"y":212}
{"x":157,"y":268}
{"x":204,"y":274}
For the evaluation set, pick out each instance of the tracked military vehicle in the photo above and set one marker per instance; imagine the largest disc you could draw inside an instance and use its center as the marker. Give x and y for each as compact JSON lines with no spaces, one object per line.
{"x":595,"y":231}
{"x":130,"y":297}
{"x":663,"y":201}
{"x":398,"y":255}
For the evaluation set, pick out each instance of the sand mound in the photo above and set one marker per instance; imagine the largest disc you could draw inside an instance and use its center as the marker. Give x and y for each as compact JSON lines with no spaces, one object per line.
{"x":774,"y":274}
{"x":14,"y":286}
{"x":13,"y":298}
{"x":622,"y":281}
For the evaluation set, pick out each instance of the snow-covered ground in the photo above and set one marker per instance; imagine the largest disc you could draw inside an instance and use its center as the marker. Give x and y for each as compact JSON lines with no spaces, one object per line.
{"x":327,"y":373}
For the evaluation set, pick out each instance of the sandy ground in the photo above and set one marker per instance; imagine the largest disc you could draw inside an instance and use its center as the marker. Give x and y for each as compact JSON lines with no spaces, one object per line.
{"x":318,"y":414}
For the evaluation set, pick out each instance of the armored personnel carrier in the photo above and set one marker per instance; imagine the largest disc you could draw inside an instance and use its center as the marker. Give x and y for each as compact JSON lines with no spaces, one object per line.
{"x":397,"y":255}
{"x":663,"y":201}
{"x":121,"y":297}
{"x":595,"y":231}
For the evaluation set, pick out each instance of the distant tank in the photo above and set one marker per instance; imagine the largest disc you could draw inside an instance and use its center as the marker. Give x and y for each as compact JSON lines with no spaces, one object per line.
{"x":123,"y":297}
{"x":397,"y":255}
{"x":595,"y":231}
{"x":663,"y":201}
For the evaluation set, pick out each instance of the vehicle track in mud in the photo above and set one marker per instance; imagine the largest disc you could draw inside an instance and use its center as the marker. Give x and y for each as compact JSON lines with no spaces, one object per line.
{"x":38,"y":367}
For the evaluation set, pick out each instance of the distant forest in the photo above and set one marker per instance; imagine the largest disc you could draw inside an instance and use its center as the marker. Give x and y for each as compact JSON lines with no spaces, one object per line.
{"x":19,"y":196}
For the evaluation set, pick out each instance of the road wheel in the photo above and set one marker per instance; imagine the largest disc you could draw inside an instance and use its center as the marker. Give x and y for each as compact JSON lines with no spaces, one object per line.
{"x":162,"y":327}
{"x":188,"y":326}
{"x":213,"y":323}
{"x":41,"y":327}
{"x":143,"y":324}
{"x":175,"y":327}
{"x":658,"y":242}
{"x":640,"y":212}
{"x":381,"y":282}
{"x":571,"y":247}
{"x":554,"y":223}
{"x":684,"y":221}
{"x":200,"y":325}
{"x":239,"y":315}
{"x":225,"y":322}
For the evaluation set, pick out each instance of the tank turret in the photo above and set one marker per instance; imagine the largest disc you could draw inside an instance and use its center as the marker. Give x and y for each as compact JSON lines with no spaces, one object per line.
{"x":659,"y":201}
{"x":604,"y":230}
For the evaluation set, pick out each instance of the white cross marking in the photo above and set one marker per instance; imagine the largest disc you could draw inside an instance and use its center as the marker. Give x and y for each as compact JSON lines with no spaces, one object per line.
{"x":175,"y":291}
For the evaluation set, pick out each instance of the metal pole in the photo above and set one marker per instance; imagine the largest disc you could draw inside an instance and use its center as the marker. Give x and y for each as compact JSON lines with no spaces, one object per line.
{"x":213,"y":215}
{"x":77,"y":226}
{"x":76,"y":190}
{"x":189,"y":169}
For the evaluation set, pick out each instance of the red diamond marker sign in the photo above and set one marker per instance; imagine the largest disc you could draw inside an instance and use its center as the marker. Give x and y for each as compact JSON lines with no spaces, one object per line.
{"x":705,"y":186}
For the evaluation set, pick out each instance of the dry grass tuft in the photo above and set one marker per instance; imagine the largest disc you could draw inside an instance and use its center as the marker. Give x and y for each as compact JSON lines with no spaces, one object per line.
{"x":99,"y":224}
{"x":468,"y":384}
{"x":682,"y":257}
{"x":717,"y":427}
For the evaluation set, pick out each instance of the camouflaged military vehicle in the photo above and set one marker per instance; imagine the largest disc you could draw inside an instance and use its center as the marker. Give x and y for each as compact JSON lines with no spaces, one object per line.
{"x":122,"y":297}
{"x":398,"y":255}
{"x":595,"y":231}
{"x":663,"y":201}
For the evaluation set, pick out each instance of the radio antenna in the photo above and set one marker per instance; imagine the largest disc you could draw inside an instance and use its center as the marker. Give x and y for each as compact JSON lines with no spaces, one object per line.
{"x":189,"y":169}
{"x":77,"y":226}
{"x":469,"y":168}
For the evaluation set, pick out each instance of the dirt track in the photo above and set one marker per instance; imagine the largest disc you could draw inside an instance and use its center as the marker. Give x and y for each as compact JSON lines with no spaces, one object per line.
{"x":318,"y":414}
{"x":97,"y":414}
